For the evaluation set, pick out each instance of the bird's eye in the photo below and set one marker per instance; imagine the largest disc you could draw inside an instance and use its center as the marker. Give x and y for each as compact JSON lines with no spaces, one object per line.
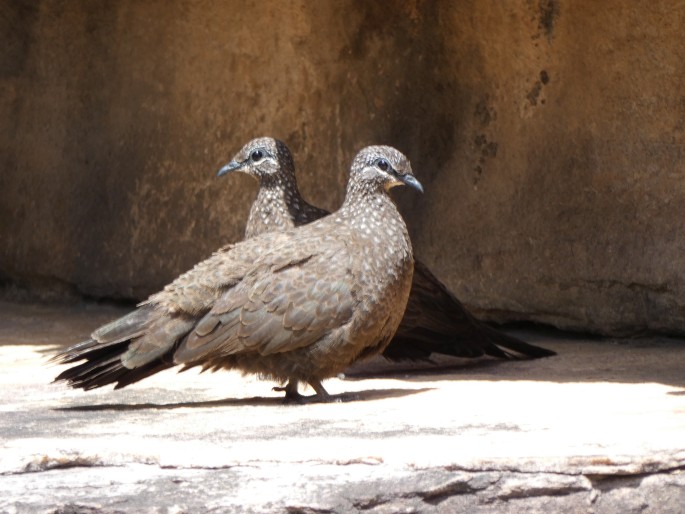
{"x":257,"y":155}
{"x":383,"y":165}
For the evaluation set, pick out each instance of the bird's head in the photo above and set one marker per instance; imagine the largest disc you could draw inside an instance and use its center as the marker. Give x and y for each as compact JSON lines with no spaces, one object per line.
{"x":261,"y":158}
{"x":383,"y":166}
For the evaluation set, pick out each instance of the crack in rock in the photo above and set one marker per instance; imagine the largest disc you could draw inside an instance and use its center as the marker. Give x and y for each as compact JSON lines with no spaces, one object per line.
{"x":541,"y":485}
{"x":462,"y":485}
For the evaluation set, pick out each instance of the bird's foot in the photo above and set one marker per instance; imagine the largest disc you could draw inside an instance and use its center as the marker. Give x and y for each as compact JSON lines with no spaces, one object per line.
{"x":293,"y":396}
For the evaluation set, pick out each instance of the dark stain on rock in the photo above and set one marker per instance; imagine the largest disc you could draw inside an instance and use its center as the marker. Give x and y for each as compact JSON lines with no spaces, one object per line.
{"x":478,"y":170}
{"x":484,"y":113}
{"x":534,"y":93}
{"x":489,"y":149}
{"x":486,"y":150}
{"x":16,"y":27}
{"x":549,"y":12}
{"x":379,"y":22}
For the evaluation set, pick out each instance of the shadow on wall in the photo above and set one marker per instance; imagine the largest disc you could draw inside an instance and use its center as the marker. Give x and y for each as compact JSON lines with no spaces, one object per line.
{"x":413,"y":102}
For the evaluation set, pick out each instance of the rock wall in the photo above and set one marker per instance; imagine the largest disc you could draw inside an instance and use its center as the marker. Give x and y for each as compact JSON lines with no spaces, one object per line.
{"x":548,"y":135}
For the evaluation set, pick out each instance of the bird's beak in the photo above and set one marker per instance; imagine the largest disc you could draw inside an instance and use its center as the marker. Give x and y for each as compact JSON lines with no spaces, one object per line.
{"x":411,"y":181}
{"x":231,"y":166}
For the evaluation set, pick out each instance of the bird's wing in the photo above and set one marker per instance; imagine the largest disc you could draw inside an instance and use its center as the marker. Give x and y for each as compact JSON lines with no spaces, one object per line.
{"x":432,"y":305}
{"x":143,"y":342}
{"x":195,"y":292}
{"x":285,"y":303}
{"x":173,"y":313}
{"x":435,"y":321}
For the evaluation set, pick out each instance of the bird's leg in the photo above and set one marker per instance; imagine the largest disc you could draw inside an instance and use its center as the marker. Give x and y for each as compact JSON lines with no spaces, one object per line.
{"x":291,"y":394}
{"x":321,"y":394}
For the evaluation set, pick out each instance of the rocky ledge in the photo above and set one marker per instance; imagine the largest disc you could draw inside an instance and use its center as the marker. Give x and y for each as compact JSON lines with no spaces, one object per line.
{"x":599,"y":428}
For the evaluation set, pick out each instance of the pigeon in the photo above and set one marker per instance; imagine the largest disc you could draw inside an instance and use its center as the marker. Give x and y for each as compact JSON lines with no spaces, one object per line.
{"x":294,"y":306}
{"x":435,"y":321}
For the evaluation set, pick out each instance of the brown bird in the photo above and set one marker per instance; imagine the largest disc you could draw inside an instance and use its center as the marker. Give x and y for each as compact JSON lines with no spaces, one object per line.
{"x":293,"y":306}
{"x":435,"y":320}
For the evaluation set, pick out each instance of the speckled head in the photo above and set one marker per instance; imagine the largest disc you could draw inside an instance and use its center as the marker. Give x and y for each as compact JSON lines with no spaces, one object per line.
{"x":382,"y":167}
{"x":263,"y":158}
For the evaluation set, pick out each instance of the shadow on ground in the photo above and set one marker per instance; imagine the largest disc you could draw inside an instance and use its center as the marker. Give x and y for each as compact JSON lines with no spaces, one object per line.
{"x":357,"y":396}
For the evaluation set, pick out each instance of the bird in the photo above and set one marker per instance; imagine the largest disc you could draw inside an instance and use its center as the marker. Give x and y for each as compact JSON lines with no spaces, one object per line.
{"x":435,"y":321}
{"x":279,"y":205}
{"x":294,"y":306}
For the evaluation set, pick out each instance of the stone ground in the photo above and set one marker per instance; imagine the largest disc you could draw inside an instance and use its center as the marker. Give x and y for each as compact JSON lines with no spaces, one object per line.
{"x":599,"y":428}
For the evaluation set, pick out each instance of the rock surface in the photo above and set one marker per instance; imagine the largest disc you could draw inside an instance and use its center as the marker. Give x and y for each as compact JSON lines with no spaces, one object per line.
{"x":597,"y":429}
{"x":549,"y":138}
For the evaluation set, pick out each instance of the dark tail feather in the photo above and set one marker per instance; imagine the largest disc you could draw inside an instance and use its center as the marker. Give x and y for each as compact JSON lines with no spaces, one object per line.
{"x":101,"y":369}
{"x":127,"y":327}
{"x":103,"y":357}
{"x":103,"y":366}
{"x":91,"y":367}
{"x":523,"y":349}
{"x":90,"y":349}
{"x":487,"y":340}
{"x":435,"y":322}
{"x":479,"y":343}
{"x":108,"y":338}
{"x":407,"y":348}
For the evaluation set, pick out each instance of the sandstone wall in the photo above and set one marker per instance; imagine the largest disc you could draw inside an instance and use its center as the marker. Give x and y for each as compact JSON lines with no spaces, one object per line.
{"x":548,"y":135}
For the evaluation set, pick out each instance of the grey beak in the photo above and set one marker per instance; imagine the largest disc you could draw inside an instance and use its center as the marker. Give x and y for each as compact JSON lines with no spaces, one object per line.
{"x":231,"y":166}
{"x":411,"y":181}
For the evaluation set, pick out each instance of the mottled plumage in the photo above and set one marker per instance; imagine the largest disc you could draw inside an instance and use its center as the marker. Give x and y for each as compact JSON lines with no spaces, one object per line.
{"x":279,"y":204}
{"x":435,"y":320}
{"x":296,"y":306}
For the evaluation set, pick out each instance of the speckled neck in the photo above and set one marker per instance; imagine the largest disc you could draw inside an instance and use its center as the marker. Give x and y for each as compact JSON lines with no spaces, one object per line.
{"x":276,"y":206}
